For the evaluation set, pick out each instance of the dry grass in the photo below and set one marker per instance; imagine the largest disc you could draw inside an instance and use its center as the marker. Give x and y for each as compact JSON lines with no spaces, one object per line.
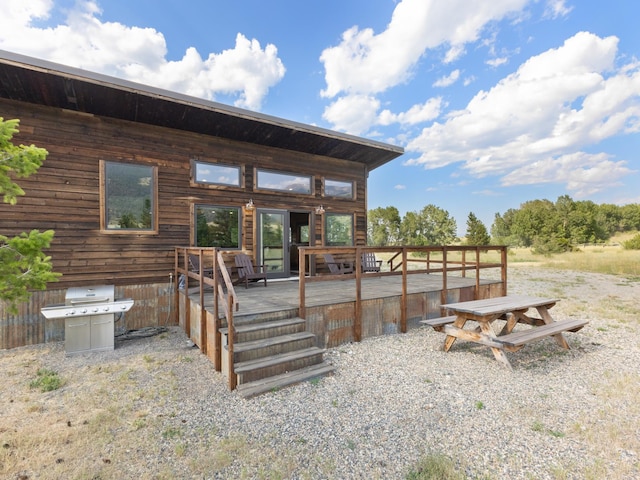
{"x":110,"y":415}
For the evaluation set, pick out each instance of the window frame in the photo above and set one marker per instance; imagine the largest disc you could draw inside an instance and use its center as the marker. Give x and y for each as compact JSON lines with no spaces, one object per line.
{"x":194,"y":219}
{"x":326,"y":228}
{"x":202,"y":184}
{"x":257,"y":186}
{"x":104,"y":227}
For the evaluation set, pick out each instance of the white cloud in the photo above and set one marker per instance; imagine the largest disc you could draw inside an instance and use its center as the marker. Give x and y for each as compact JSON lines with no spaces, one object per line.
{"x":448,"y":80}
{"x":557,"y":8}
{"x":584,"y":174}
{"x":416,"y":114}
{"x":496,"y":62}
{"x":352,"y":114}
{"x":366,"y":63}
{"x":400,"y":187}
{"x":454,"y":53}
{"x":139,"y":54}
{"x":549,"y":110}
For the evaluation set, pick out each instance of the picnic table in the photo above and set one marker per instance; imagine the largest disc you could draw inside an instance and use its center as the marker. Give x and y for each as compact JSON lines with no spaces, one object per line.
{"x":513,"y":310}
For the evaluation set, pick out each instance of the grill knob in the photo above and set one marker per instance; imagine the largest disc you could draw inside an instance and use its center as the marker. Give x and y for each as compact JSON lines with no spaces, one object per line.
{"x":84,"y":310}
{"x":71,"y":312}
{"x":106,"y":309}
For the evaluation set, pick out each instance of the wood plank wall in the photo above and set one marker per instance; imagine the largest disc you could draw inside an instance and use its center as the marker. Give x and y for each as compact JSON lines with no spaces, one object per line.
{"x":64,"y":194}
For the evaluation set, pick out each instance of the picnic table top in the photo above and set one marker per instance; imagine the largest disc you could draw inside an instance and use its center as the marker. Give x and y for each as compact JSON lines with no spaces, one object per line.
{"x":497,"y":305}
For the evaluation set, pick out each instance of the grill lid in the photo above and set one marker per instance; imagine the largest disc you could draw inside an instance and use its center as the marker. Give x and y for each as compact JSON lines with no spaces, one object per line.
{"x":93,"y":294}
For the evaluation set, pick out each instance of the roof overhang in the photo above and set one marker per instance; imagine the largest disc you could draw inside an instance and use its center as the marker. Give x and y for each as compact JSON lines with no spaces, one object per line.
{"x":41,"y":82}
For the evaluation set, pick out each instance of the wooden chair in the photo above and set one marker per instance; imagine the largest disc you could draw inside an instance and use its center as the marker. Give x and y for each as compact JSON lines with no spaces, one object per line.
{"x":246,"y":271}
{"x":370,"y":263}
{"x":194,"y":266}
{"x":337,"y":268}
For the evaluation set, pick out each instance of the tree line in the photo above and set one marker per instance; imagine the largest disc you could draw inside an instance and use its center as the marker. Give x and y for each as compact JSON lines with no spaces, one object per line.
{"x":543,"y":225}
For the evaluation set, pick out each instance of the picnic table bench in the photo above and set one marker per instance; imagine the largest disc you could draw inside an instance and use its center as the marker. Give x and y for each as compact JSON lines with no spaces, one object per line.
{"x":511,"y":308}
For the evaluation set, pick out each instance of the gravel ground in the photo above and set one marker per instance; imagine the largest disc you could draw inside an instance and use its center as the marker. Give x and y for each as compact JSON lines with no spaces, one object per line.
{"x":155,"y":408}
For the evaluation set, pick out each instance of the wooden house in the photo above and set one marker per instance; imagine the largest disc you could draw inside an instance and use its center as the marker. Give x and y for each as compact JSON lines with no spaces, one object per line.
{"x":135,"y":171}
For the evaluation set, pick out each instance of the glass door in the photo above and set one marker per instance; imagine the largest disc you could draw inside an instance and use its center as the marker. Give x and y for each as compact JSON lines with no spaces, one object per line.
{"x":273,"y":242}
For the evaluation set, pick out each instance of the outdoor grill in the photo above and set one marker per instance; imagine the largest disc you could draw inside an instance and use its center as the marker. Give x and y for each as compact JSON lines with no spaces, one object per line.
{"x":89,"y":317}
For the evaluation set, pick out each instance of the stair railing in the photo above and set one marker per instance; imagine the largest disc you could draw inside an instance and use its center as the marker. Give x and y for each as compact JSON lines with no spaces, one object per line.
{"x":228,"y":302}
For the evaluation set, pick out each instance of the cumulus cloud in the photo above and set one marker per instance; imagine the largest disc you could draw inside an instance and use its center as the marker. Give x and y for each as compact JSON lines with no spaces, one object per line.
{"x":352,"y":114}
{"x":448,"y":80}
{"x":557,"y":8}
{"x":246,"y":71}
{"x":366,"y":64}
{"x":416,"y":114}
{"x":532,"y":126}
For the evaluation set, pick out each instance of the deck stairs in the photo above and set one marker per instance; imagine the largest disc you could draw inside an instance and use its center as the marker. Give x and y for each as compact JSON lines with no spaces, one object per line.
{"x":273,"y":354}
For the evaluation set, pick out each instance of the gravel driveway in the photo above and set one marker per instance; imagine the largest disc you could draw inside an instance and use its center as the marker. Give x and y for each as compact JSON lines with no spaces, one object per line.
{"x":155,"y":408}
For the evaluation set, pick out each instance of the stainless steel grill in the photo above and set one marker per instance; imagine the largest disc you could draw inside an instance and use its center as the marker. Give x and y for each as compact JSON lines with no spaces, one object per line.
{"x":89,"y":317}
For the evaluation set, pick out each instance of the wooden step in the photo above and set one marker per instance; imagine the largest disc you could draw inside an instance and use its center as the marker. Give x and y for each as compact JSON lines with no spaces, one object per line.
{"x":260,"y":368}
{"x":272,"y":346}
{"x":256,"y":331}
{"x":257,"y":387}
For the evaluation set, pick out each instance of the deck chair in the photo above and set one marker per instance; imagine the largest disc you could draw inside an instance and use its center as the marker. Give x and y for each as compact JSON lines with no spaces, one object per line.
{"x":194,"y":266}
{"x":337,"y":268}
{"x":246,"y":272}
{"x":370,"y":263}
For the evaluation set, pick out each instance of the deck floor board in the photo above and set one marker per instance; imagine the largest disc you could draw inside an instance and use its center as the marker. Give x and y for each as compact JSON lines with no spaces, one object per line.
{"x":283,"y":294}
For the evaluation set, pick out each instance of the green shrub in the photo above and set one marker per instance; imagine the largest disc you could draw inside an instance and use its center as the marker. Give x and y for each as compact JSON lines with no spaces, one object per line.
{"x":633,"y":243}
{"x":435,"y":467}
{"x":47,"y":380}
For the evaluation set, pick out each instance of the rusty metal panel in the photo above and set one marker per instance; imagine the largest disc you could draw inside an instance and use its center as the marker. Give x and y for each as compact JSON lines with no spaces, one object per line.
{"x":316,"y":325}
{"x":153,"y":307}
{"x":372,"y":317}
{"x":339,"y":320}
{"x":28,"y":326}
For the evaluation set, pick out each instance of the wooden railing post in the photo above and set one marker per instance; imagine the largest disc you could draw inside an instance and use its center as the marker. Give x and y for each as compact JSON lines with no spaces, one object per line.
{"x":503,"y":257}
{"x":477,"y":293}
{"x":357,"y":322}
{"x":443,"y":293}
{"x":403,"y":298}
{"x":302,"y":312}
{"x":203,"y":311}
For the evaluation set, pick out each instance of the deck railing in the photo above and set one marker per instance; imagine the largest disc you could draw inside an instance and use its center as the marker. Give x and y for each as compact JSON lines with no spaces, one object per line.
{"x":211,"y":273}
{"x":404,"y":261}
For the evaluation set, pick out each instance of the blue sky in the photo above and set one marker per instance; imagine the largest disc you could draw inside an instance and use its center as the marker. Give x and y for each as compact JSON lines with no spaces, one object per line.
{"x":495,"y":102}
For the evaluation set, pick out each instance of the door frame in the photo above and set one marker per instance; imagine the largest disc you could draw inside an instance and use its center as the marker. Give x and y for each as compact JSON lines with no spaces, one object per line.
{"x":286,"y":240}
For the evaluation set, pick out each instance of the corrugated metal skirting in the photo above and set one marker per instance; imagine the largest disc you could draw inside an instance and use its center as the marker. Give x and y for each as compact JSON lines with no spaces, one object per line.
{"x":153,"y":307}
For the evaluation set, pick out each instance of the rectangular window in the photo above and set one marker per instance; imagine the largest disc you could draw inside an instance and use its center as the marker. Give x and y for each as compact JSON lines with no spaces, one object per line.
{"x":217,"y":226}
{"x":283,"y":182}
{"x":336,"y":188}
{"x":128,"y":197}
{"x":338,"y":230}
{"x":215,"y":174}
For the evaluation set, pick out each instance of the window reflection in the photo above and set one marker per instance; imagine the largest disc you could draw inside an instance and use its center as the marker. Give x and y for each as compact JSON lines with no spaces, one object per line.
{"x":284,"y":182}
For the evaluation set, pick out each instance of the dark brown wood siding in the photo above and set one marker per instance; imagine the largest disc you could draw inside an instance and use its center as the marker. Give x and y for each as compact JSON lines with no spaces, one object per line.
{"x":65,"y":193}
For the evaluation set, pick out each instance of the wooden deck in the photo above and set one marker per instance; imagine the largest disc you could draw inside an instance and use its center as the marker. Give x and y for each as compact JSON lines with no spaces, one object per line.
{"x":334,"y":301}
{"x":287,"y":325}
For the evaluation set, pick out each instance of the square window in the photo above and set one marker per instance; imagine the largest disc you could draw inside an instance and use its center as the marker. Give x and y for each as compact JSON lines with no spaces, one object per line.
{"x":338,"y":230}
{"x":217,"y":226}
